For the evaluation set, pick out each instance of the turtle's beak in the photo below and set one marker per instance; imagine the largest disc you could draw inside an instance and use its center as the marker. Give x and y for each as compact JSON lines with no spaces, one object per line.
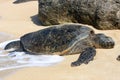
{"x":103,"y":41}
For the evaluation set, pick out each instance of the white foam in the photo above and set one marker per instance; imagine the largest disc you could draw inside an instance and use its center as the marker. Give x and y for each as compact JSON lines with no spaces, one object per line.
{"x":30,"y":61}
{"x":20,"y":59}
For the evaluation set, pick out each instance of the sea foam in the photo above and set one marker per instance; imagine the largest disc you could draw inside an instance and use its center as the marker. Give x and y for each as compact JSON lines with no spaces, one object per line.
{"x":21,"y":59}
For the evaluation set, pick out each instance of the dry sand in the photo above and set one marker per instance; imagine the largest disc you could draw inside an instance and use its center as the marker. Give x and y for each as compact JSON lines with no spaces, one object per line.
{"x":18,"y":19}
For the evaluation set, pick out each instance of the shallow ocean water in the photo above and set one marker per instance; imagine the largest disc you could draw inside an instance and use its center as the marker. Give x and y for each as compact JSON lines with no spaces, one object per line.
{"x":6,"y":36}
{"x":20,"y":59}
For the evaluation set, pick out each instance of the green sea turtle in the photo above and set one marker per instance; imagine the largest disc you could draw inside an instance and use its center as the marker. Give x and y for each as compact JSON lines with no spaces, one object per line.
{"x":64,"y":39}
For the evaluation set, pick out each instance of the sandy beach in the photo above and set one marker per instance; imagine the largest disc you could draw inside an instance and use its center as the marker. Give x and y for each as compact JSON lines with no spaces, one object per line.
{"x":18,"y":19}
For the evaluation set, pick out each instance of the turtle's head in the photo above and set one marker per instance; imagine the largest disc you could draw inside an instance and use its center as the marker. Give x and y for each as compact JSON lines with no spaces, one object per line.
{"x":103,"y":41}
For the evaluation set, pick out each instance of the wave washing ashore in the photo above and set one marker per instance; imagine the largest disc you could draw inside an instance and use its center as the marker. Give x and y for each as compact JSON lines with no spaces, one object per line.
{"x":20,"y":59}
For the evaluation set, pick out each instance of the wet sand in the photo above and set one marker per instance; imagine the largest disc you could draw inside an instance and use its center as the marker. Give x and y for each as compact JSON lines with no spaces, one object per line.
{"x":18,"y":19}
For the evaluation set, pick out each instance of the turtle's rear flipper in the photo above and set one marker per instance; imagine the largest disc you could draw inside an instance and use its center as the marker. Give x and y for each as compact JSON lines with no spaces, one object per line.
{"x":85,"y":57}
{"x":14,"y":46}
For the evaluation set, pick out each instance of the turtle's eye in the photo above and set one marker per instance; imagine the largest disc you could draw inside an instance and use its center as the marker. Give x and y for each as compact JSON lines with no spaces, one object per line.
{"x":92,"y":32}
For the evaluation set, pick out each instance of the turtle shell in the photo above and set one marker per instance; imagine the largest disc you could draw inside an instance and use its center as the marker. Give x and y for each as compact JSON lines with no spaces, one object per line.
{"x":53,"y":39}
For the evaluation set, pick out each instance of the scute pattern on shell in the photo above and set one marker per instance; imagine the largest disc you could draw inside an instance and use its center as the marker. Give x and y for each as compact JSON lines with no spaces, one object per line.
{"x":53,"y":39}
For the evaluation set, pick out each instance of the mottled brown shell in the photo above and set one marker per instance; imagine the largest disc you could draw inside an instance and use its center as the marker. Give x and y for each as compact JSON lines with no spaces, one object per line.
{"x":55,"y":39}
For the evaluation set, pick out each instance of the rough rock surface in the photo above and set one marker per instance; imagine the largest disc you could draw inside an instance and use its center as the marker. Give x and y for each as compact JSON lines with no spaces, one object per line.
{"x":102,"y":14}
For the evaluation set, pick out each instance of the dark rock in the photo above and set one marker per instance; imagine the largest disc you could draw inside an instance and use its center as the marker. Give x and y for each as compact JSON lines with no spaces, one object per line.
{"x":118,"y":58}
{"x":102,"y":14}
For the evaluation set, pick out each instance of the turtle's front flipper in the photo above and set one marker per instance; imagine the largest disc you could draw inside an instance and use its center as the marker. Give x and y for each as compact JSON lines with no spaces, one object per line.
{"x":85,"y":57}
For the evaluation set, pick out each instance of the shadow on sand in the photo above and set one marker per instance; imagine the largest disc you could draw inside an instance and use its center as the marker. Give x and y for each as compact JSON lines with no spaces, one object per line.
{"x":35,"y":20}
{"x":22,"y":1}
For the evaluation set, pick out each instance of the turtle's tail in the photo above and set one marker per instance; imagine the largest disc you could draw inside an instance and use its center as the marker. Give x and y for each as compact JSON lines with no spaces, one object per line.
{"x":14,"y":46}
